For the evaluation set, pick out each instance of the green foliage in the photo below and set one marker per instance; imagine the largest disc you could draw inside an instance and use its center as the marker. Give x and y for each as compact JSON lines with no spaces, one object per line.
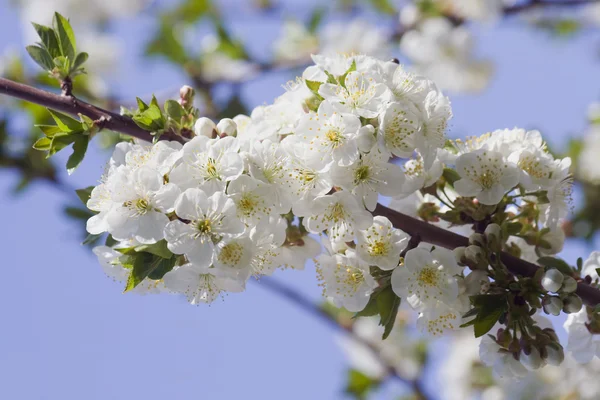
{"x":67,"y":131}
{"x":146,"y":265}
{"x":173,"y":118}
{"x":57,"y":50}
{"x":167,"y":43}
{"x":383,"y":6}
{"x":189,"y":11}
{"x":360,"y":385}
{"x":487,"y":309}
{"x":450,"y":176}
{"x":315,"y":19}
{"x":385,"y":303}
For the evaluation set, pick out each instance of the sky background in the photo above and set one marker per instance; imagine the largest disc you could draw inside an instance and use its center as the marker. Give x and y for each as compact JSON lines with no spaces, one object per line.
{"x":67,"y":332}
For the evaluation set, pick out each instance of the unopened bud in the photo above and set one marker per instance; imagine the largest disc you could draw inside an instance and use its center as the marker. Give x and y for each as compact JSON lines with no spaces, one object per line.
{"x":572,"y":304}
{"x":530,"y":358}
{"x":569,"y":285}
{"x":493,"y":234}
{"x":186,"y":96}
{"x":552,"y":305}
{"x":554,"y":354}
{"x":226,"y":127}
{"x":478,"y":239}
{"x":459,"y":254}
{"x":475,"y":257}
{"x":552,"y":280}
{"x":205,"y":127}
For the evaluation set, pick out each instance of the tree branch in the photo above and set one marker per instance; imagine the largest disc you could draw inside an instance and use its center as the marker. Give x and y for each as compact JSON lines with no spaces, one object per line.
{"x":427,"y":232}
{"x":511,"y":10}
{"x":313,"y":309}
{"x":73,"y":106}
{"x":450,"y":240}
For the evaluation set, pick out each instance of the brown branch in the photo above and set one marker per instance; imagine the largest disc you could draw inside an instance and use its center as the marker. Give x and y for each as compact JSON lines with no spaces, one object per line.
{"x":414,"y":227}
{"x":450,"y":240}
{"x":511,"y":10}
{"x":73,"y":106}
{"x":313,"y":309}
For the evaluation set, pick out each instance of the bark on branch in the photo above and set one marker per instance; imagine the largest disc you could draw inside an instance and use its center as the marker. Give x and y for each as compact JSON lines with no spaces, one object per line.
{"x":414,"y":227}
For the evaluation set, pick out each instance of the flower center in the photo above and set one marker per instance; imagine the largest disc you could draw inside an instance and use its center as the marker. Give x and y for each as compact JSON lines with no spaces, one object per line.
{"x":362,"y":174}
{"x":211,"y":169}
{"x":231,"y":253}
{"x":378,"y":248}
{"x":203,"y":226}
{"x":350,"y":277}
{"x":336,"y":213}
{"x":428,"y":276}
{"x":335,"y":137}
{"x":141,"y":206}
{"x":247,"y":204}
{"x":533,"y":167}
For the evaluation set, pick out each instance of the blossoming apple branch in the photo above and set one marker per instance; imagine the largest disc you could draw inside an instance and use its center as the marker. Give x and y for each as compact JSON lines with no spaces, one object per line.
{"x":414,"y":227}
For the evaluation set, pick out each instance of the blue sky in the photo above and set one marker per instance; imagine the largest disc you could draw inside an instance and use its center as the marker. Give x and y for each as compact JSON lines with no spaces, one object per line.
{"x":68,"y":332}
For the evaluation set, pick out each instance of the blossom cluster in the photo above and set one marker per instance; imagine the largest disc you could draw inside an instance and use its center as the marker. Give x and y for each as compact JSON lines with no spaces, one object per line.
{"x":244,"y":197}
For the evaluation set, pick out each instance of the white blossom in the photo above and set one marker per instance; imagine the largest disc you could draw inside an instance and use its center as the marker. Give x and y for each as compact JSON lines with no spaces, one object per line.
{"x":381,"y":244}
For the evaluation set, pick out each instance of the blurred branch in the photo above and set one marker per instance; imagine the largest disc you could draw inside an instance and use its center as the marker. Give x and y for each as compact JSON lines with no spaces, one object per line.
{"x":510,"y":10}
{"x":311,"y":308}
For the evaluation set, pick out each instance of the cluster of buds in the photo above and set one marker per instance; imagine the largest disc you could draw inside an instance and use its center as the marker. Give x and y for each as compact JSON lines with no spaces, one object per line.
{"x":481,"y":249}
{"x":564,"y":287}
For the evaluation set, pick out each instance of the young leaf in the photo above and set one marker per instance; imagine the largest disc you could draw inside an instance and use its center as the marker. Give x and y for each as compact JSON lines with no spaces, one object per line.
{"x":147,"y":265}
{"x":79,"y":60}
{"x":387,"y":303}
{"x":60,"y":142}
{"x":49,"y":39}
{"x":41,"y":57}
{"x":486,"y":319}
{"x":65,"y":35}
{"x":315,"y":19}
{"x":79,"y":148}
{"x":43,"y":144}
{"x":370,"y":309}
{"x":51,"y":130}
{"x":84,"y":194}
{"x":66,"y":123}
{"x":174,"y":110}
{"x":359,"y":385}
{"x":158,"y":249}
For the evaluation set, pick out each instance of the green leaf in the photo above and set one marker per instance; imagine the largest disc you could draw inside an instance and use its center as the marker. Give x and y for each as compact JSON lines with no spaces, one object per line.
{"x":146,"y":265}
{"x":330,"y":78}
{"x":559,"y":264}
{"x":92,"y":239}
{"x":513,"y":228}
{"x":49,"y":39}
{"x":383,"y":6}
{"x":490,"y":308}
{"x":79,"y":60}
{"x":229,"y":46}
{"x":41,"y":57}
{"x":60,"y":142}
{"x":79,"y":213}
{"x":50,"y":130}
{"x":359,"y":385}
{"x":158,"y":249}
{"x":150,"y":119}
{"x":450,"y":176}
{"x":370,"y":309}
{"x":166,"y":43}
{"x":352,"y":68}
{"x":190,"y":11}
{"x":486,"y":319}
{"x":315,"y":19}
{"x":387,"y":303}
{"x":85,"y":194}
{"x":313,"y":85}
{"x":79,"y":148}
{"x":43,"y":144}
{"x":174,"y":110}
{"x":65,"y":35}
{"x":66,"y":123}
